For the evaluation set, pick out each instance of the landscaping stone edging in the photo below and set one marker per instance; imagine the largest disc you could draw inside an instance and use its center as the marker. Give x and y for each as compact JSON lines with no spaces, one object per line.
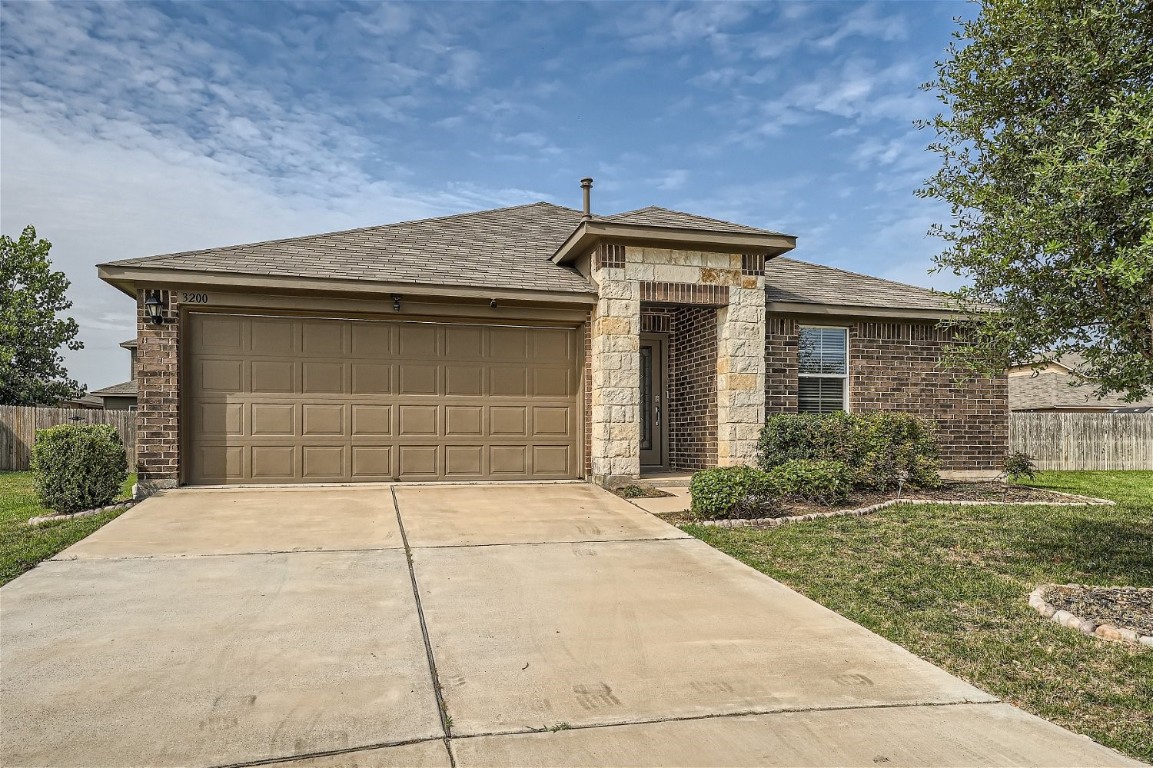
{"x":1085,"y":626}
{"x":1079,"y":501}
{"x":83,"y":513}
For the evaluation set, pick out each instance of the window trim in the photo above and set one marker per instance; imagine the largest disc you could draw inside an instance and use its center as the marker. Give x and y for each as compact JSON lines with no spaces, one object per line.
{"x":844,"y":377}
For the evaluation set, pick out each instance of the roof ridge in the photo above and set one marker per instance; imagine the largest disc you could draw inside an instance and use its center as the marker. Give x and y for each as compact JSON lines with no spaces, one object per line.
{"x":859,"y":274}
{"x":314,"y":236}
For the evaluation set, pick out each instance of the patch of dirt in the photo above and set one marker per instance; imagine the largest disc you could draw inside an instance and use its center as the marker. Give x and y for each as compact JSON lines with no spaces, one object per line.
{"x":948,"y":491}
{"x":639,"y":492}
{"x":1124,"y":607}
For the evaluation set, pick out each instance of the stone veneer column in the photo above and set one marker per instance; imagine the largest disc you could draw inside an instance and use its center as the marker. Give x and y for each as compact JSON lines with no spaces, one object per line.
{"x":615,"y":416}
{"x":741,"y":372}
{"x":158,"y":402}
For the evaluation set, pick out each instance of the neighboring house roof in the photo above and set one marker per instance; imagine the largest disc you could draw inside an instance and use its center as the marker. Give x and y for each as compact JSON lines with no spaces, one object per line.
{"x":789,"y":281}
{"x":502,"y":248}
{"x":1056,"y":386}
{"x":130,"y":344}
{"x":123,"y":389}
{"x":655,"y":216}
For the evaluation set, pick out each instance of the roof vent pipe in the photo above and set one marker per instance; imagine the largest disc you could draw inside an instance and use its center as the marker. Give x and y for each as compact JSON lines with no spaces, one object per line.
{"x":587,"y":186}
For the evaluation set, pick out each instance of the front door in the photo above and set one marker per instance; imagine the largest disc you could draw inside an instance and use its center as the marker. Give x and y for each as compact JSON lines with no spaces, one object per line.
{"x":654,"y":399}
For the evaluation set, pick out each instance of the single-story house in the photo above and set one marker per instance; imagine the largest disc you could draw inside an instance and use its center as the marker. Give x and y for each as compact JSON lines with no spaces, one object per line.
{"x":525,"y":343}
{"x":1058,"y":387}
{"x":122,"y":396}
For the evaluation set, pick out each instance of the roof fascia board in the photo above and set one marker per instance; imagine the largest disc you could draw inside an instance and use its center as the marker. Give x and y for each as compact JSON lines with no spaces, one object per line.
{"x":588,"y":233}
{"x":849,"y":310}
{"x":126,"y":277}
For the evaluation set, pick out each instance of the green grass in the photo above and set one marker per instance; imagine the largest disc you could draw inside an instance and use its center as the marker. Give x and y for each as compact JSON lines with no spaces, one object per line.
{"x":23,"y":546}
{"x":950,"y":584}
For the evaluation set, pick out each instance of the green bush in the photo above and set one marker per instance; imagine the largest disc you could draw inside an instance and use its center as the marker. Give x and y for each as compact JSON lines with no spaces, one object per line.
{"x":78,"y":466}
{"x":880,"y":448}
{"x":730,"y":492}
{"x":817,"y":481}
{"x":1019,"y":466}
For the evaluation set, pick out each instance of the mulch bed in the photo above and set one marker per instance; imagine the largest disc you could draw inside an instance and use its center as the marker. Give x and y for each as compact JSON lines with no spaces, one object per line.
{"x":948,"y":491}
{"x":1127,"y":607}
{"x":639,"y":492}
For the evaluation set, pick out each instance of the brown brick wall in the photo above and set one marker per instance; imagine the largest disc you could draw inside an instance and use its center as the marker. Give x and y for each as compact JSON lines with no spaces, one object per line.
{"x":693,"y":388}
{"x":158,"y":405}
{"x":893,"y":366}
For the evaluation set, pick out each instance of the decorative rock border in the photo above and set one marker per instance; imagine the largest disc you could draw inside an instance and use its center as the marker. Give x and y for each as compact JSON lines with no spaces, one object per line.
{"x":83,"y":513}
{"x":770,"y":522}
{"x":1085,"y":626}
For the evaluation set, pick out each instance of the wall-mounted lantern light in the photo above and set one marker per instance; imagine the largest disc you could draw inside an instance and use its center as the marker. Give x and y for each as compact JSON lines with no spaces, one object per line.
{"x":154,"y":306}
{"x":396,"y":302}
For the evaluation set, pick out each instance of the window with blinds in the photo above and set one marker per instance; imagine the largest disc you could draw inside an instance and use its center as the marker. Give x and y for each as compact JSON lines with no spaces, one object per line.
{"x":823,"y":366}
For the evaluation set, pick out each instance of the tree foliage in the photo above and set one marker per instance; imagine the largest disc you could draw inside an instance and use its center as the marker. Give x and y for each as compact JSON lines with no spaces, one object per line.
{"x":1047,"y":162}
{"x":31,"y":296}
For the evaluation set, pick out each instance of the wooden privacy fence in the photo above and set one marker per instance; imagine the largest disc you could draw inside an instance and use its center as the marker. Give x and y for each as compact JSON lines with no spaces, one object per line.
{"x":18,"y":425}
{"x":1084,"y":440}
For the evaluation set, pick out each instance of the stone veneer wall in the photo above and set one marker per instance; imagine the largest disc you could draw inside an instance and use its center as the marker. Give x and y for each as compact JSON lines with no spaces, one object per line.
{"x":893,"y":365}
{"x":621,"y":273}
{"x":158,"y":402}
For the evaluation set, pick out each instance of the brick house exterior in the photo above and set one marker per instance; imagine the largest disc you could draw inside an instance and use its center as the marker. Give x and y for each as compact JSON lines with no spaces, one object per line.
{"x":534,"y":342}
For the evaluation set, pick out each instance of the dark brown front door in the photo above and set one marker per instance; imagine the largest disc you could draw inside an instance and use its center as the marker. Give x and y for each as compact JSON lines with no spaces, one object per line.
{"x":654,"y":400}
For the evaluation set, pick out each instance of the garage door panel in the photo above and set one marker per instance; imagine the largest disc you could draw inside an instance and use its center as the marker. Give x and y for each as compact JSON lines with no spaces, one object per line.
{"x":508,"y":460}
{"x":372,"y":462}
{"x":271,"y":336}
{"x":371,"y":420}
{"x":371,"y":379}
{"x":508,"y":420}
{"x":551,"y":460}
{"x":419,"y":379}
{"x":463,"y":461}
{"x":299,"y":399}
{"x":419,"y":462}
{"x":323,"y":462}
{"x":463,"y":380}
{"x":274,"y":462}
{"x":323,"y":419}
{"x":419,"y":420}
{"x":508,"y":381}
{"x":323,"y":338}
{"x":322,"y":378}
{"x":463,"y":421}
{"x":273,"y":377}
{"x":419,"y":341}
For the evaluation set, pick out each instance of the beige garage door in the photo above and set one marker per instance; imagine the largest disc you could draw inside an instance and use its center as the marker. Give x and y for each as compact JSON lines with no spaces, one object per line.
{"x":276,"y":399}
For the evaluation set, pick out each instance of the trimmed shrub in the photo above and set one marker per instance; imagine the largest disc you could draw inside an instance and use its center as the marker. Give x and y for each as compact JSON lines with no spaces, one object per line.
{"x":1019,"y":466}
{"x":78,"y":466}
{"x":731,"y":492}
{"x":880,"y":448}
{"x":817,"y":481}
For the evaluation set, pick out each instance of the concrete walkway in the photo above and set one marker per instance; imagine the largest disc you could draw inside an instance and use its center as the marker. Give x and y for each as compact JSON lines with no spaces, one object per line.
{"x":564,"y":625}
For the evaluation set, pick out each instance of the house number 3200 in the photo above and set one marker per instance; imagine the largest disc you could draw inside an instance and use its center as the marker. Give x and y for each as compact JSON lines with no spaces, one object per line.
{"x":194,"y":298}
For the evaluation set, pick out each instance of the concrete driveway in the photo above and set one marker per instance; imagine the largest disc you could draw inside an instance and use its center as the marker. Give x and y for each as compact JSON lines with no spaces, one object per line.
{"x":564,"y":625}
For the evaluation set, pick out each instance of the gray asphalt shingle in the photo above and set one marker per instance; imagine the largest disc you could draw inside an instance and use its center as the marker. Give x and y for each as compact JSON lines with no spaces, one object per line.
{"x":789,"y":280}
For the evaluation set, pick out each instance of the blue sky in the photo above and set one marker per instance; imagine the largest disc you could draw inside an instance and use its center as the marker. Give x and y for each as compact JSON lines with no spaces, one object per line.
{"x":130,"y":129}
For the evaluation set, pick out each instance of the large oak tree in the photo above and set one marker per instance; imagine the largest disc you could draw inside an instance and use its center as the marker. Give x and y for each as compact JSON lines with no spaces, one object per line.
{"x":1046,"y":142}
{"x":31,"y":333}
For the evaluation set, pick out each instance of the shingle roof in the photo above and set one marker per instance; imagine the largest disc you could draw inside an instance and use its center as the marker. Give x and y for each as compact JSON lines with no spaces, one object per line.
{"x":502,"y":248}
{"x":655,"y":216}
{"x":122,"y":389}
{"x":789,"y":280}
{"x":130,"y":344}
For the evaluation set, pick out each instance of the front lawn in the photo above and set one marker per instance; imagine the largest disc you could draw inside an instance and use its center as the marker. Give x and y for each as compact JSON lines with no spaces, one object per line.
{"x":950,"y":584}
{"x":23,"y":546}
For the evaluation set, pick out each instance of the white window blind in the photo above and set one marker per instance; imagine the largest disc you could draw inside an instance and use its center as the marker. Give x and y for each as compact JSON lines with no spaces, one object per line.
{"x":823,"y":363}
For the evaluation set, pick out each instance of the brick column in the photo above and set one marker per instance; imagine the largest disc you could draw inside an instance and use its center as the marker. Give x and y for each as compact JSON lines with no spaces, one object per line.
{"x":158,"y":402}
{"x":741,"y":373}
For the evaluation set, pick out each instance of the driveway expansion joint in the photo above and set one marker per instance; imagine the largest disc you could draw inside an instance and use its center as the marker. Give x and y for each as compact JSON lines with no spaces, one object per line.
{"x":552,"y":543}
{"x":441,"y":707}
